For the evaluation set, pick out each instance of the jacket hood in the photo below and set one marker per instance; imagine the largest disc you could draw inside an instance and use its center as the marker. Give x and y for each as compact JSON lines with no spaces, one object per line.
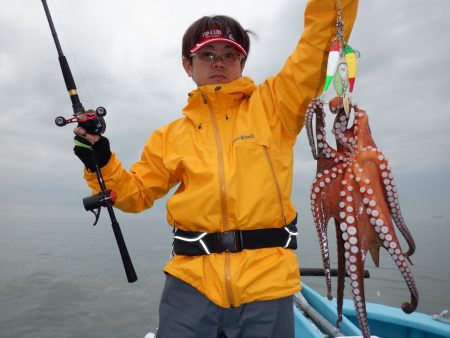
{"x":228,"y":92}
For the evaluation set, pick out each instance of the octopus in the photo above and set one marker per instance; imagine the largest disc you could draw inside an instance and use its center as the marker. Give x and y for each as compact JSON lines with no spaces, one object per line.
{"x":355,"y":187}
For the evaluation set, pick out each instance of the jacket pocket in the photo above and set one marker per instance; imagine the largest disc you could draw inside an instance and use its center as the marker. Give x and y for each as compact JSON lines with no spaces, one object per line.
{"x":275,"y":180}
{"x":254,"y":194}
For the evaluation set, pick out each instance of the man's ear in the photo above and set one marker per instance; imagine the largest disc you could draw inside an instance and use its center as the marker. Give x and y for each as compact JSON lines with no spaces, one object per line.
{"x":242,"y":65}
{"x":187,"y":65}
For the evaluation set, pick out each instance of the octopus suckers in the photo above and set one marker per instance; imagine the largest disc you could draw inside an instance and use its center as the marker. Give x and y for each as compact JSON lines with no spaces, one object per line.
{"x":351,"y":230}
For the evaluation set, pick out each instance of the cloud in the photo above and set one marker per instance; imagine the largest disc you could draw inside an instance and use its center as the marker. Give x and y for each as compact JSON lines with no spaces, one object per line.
{"x":125,"y":55}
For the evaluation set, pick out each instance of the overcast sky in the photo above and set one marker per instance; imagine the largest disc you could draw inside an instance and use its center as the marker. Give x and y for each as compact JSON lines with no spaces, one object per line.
{"x":125,"y":55}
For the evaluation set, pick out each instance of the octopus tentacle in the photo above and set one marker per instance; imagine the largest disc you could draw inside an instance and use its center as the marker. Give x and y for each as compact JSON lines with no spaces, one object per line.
{"x":322,"y":212}
{"x":344,"y":135}
{"x":394,"y":205}
{"x":323,"y":149}
{"x":380,"y":219}
{"x":358,"y":295}
{"x":315,"y":107}
{"x":309,"y":129}
{"x":393,"y":247}
{"x":327,"y":151}
{"x":321,"y":217}
{"x":366,"y":143}
{"x":390,"y":192}
{"x":384,"y":228}
{"x":330,"y":153}
{"x":341,"y":272}
{"x":355,"y":251}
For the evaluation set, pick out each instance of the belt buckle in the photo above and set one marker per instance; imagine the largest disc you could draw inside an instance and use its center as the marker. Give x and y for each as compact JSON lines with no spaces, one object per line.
{"x":230,"y":241}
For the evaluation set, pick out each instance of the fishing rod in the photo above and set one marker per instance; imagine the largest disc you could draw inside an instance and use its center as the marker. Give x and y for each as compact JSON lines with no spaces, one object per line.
{"x":319,"y":272}
{"x":93,"y":122}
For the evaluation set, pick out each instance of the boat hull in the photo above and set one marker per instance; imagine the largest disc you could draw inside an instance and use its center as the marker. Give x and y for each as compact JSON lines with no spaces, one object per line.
{"x":384,"y":321}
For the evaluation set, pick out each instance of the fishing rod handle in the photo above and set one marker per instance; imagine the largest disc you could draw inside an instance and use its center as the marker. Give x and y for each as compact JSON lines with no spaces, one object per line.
{"x":126,"y":260}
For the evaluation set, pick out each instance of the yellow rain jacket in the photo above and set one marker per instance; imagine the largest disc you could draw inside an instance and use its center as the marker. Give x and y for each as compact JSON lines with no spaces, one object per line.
{"x":232,"y":158}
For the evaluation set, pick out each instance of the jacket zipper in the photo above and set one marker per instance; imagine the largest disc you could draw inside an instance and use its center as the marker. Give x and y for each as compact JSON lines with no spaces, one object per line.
{"x":277,"y":186}
{"x":223,"y":195}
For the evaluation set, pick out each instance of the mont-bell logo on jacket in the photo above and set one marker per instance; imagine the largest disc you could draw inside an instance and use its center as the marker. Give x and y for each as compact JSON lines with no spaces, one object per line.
{"x":244,"y":137}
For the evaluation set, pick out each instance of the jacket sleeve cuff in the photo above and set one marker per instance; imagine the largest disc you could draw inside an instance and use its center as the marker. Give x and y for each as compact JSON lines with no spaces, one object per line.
{"x":107,"y":171}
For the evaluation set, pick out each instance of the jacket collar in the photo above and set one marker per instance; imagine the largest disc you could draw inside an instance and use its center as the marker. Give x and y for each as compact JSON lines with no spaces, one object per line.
{"x":197,"y":107}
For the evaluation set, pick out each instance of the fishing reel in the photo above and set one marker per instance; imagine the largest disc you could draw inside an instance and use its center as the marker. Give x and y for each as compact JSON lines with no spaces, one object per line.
{"x":95,"y":203}
{"x":91,"y":120}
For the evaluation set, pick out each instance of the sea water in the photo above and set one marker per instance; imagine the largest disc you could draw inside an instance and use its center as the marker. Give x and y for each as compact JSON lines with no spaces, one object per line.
{"x":61,"y":277}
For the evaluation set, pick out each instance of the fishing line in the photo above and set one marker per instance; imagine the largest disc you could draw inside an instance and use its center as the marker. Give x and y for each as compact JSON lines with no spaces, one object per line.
{"x":67,"y":40}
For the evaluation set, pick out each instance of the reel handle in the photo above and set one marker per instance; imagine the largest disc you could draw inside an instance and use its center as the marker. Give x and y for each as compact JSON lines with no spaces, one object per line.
{"x":92,"y":121}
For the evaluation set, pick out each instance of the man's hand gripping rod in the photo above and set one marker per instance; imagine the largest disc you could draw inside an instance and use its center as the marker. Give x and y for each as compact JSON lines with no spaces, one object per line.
{"x":93,"y":122}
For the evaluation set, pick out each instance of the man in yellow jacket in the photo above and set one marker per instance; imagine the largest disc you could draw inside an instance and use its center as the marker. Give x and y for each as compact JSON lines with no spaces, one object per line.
{"x":234,"y":268}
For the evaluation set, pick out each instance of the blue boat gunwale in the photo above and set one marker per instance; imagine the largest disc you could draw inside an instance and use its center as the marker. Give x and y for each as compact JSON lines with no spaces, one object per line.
{"x":396,"y":316}
{"x":380,"y":316}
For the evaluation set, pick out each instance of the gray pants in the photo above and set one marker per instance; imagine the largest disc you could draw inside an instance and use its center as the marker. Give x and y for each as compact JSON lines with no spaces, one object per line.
{"x":184,"y":312}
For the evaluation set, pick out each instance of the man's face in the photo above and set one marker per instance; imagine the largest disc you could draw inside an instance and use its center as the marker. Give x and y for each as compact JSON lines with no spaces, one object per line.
{"x":217,"y":62}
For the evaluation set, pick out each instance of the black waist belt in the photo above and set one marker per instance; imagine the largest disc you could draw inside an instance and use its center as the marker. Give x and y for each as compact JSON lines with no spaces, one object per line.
{"x":190,"y":243}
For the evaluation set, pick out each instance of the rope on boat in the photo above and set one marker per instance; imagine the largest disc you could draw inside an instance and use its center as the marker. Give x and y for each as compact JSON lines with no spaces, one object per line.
{"x":442,"y":317}
{"x":316,"y":317}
